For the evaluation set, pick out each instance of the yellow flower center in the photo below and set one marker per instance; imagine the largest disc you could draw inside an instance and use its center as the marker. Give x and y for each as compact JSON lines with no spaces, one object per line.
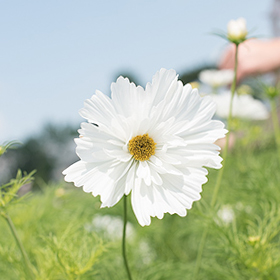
{"x":142,"y":147}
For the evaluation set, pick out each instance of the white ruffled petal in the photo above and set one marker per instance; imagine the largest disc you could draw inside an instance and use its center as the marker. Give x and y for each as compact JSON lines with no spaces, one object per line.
{"x":127,"y":98}
{"x":154,"y":200}
{"x":161,"y":83}
{"x":98,"y":109}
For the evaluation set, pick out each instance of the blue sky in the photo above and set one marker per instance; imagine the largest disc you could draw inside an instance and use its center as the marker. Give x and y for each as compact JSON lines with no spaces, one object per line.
{"x":55,"y":54}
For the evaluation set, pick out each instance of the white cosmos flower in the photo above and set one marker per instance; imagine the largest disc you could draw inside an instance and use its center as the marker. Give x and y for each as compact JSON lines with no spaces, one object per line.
{"x":111,"y":226}
{"x":216,"y":78}
{"x":243,"y":106}
{"x":152,"y":142}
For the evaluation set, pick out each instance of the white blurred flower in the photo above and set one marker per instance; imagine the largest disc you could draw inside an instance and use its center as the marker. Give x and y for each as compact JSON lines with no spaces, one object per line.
{"x":237,"y":30}
{"x":152,"y":142}
{"x":243,"y":106}
{"x":216,"y":78}
{"x":146,"y":253}
{"x":226,"y":214}
{"x":110,"y":226}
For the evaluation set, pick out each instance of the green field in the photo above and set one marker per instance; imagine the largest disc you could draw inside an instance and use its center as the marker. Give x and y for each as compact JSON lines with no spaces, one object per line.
{"x":67,"y":235}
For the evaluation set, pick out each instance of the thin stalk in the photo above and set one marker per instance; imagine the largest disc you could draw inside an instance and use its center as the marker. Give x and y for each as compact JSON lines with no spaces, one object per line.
{"x":123,"y":239}
{"x":221,"y":172}
{"x":275,"y":125}
{"x":26,"y":260}
{"x":199,"y":252}
{"x":225,"y":152}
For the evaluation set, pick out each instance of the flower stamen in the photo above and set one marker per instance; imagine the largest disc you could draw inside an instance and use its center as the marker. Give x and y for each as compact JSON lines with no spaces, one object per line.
{"x":142,"y":147}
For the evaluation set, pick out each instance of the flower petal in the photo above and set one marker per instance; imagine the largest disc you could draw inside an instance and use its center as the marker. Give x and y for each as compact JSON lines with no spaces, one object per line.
{"x":127,"y":98}
{"x":98,"y":109}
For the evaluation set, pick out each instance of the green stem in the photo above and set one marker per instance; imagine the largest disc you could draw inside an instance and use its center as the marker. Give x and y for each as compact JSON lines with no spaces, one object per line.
{"x":199,"y":252}
{"x":26,"y":260}
{"x":123,"y":240}
{"x":220,"y":174}
{"x":275,"y":125}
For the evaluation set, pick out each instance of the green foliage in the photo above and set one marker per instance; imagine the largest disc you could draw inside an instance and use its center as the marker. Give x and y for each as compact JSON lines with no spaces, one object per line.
{"x":60,"y":259}
{"x":271,"y":91}
{"x":9,"y":191}
{"x":68,"y":236}
{"x":255,"y":252}
{"x":6,"y":146}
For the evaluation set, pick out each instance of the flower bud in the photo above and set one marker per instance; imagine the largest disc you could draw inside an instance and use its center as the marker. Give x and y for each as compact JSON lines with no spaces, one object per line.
{"x":237,"y":31}
{"x":244,"y":89}
{"x":271,"y":91}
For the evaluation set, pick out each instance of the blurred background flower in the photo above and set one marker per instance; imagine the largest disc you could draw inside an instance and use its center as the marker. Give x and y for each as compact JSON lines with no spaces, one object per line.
{"x":226,"y":214}
{"x":216,"y":78}
{"x":244,"y":106}
{"x":110,"y":227}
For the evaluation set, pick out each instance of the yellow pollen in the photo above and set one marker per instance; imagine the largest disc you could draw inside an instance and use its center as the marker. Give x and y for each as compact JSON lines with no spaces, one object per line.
{"x":142,"y":147}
